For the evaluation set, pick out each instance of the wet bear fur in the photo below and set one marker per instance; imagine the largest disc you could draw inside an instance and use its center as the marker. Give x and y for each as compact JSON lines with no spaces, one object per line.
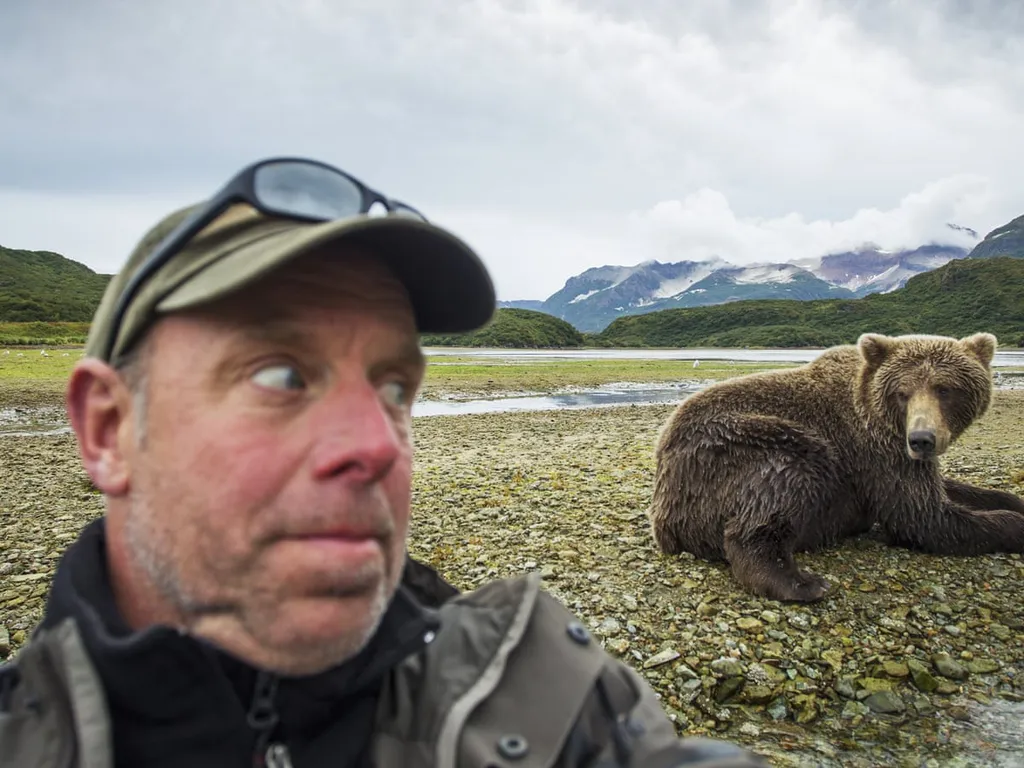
{"x":756,"y":468}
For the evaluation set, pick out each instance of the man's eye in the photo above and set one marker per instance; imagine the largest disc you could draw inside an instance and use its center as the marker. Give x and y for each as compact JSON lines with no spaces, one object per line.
{"x":396,"y":393}
{"x":279,"y":377}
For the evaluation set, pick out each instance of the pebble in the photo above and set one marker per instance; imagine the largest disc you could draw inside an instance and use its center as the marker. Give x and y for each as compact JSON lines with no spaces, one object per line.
{"x":727,"y":667}
{"x":748,"y":624}
{"x":669,"y":654}
{"x":946,"y":666}
{"x":886,"y":702}
{"x":5,"y":642}
{"x":610,"y":626}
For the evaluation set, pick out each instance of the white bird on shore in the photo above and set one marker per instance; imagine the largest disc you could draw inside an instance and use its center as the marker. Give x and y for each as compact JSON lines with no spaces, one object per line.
{"x":7,"y":351}
{"x":44,"y":353}
{"x":696,"y":363}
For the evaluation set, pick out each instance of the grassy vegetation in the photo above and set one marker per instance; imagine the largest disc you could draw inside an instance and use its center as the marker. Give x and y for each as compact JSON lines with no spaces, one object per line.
{"x":514,"y":328}
{"x":446,"y":375}
{"x":962,"y":297}
{"x":25,"y":370}
{"x":43,"y":334}
{"x":45,"y":286}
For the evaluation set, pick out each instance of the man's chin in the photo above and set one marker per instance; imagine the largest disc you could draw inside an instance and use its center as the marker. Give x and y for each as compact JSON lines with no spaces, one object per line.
{"x":313,"y":634}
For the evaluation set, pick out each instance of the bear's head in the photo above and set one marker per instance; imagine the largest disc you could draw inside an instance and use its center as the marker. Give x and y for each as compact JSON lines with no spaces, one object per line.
{"x":926,"y":389}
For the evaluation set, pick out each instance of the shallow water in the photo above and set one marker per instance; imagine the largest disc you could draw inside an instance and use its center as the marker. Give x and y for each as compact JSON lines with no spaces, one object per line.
{"x":1002,"y":359}
{"x":610,"y":395}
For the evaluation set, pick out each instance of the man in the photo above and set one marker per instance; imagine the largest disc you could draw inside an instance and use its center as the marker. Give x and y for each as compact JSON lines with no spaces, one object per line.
{"x":244,"y":406}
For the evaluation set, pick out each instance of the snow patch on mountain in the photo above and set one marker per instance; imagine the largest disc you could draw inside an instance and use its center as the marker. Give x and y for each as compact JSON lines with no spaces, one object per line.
{"x":674,"y":286}
{"x":585,"y":296}
{"x":766,"y":273}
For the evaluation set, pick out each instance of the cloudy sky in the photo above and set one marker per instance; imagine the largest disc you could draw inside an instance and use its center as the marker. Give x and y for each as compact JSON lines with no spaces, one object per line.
{"x":553,"y":135}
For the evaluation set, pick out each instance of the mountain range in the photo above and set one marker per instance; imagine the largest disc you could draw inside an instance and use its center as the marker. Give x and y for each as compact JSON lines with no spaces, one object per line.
{"x":594,"y":298}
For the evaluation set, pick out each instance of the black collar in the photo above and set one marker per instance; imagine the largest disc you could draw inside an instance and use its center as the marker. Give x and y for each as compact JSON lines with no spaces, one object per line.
{"x":159,"y":675}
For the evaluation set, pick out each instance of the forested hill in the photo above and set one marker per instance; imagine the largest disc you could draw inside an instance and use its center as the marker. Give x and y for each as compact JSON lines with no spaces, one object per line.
{"x":45,"y":286}
{"x":962,"y":297}
{"x":515,"y":328}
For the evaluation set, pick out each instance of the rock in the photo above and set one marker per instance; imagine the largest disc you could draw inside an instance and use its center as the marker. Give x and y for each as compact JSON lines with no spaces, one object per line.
{"x":923,"y":679}
{"x":982,"y":666}
{"x":619,"y":646}
{"x":853,"y":709}
{"x":770,"y":617}
{"x":766,"y":675}
{"x":875,"y":684}
{"x":749,"y":729}
{"x":548,"y":572}
{"x":756,"y":694}
{"x":5,"y":642}
{"x":947,"y":687}
{"x":18,"y":638}
{"x":749,"y":624}
{"x":610,"y":626}
{"x":664,"y":657}
{"x":706,"y":609}
{"x":895,"y":668}
{"x":834,"y":658}
{"x":845,"y":687}
{"x":885,"y":702}
{"x":952,"y":629}
{"x":727,"y":667}
{"x":798,"y":620}
{"x":728,"y":688}
{"x":959,"y":713}
{"x":946,"y":666}
{"x":923,"y":705}
{"x":805,"y":708}
{"x":778,"y":709}
{"x":630,"y":602}
{"x":1000,"y":631}
{"x":685,"y":672}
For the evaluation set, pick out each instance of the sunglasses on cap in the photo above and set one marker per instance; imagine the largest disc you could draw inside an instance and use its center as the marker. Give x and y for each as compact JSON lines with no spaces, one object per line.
{"x":293,"y":188}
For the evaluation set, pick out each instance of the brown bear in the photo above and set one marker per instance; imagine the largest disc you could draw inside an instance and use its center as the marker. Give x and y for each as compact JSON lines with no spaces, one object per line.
{"x":758,"y":467}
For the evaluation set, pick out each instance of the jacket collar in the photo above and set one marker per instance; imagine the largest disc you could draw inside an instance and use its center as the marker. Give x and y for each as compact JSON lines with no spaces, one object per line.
{"x":161,"y":673}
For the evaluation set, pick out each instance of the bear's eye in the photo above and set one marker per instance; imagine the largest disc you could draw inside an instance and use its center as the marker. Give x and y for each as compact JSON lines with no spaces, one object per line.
{"x":942,"y":391}
{"x":902,"y":397}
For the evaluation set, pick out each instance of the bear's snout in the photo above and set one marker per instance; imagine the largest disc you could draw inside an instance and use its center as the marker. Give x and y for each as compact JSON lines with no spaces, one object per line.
{"x":927,"y":433}
{"x":921,"y":443}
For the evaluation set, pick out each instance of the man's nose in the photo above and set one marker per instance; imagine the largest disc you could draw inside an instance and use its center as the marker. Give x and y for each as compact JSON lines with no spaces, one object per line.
{"x":357,"y":436}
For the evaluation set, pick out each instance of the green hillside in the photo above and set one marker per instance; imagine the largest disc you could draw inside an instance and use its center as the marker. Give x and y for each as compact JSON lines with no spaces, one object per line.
{"x":515,"y":328}
{"x":44,"y":286}
{"x":964,"y":296}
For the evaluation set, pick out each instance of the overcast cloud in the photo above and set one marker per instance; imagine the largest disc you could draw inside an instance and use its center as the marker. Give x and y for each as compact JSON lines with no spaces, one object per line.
{"x":552,"y":135}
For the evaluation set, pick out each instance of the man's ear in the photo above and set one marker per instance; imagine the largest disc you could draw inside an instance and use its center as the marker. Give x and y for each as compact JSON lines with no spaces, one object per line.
{"x":99,"y":405}
{"x":982,"y":346}
{"x":874,"y":348}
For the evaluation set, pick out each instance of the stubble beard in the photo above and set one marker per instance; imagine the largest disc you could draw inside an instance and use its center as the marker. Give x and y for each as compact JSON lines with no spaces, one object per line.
{"x":185,"y":610}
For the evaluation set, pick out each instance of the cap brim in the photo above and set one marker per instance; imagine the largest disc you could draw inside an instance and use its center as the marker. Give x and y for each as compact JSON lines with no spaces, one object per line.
{"x":448,"y":285}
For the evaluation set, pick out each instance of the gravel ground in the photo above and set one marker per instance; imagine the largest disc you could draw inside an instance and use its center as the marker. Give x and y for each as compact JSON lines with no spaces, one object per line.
{"x":913,"y":660}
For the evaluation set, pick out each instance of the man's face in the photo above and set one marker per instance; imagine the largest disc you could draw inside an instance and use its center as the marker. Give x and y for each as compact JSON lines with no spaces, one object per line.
{"x":268,"y":498}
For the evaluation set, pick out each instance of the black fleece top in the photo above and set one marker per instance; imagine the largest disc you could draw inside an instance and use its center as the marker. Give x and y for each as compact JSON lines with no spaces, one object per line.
{"x":176,"y":700}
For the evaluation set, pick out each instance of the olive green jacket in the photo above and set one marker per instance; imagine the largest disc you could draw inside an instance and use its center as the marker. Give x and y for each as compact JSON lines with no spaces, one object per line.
{"x":510,"y":679}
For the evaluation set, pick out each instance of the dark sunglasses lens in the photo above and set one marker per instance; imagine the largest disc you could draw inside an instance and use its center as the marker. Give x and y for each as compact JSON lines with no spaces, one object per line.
{"x":302,"y":189}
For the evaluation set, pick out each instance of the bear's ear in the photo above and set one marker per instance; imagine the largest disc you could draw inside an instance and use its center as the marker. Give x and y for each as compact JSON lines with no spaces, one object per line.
{"x":873,"y":348}
{"x":982,"y":346}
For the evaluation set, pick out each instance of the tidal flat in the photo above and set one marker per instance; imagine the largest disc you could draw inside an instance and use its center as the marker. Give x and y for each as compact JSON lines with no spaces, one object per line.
{"x":911,"y":660}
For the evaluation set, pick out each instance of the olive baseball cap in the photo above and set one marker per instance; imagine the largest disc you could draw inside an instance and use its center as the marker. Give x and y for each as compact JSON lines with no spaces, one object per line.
{"x":448,"y":285}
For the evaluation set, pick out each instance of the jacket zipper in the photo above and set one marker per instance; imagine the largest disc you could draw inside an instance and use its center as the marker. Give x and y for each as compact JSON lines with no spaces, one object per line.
{"x":263,"y":719}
